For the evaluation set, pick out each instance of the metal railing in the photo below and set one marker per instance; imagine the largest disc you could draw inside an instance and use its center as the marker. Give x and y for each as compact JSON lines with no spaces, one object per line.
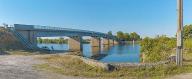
{"x":65,"y":29}
{"x":24,"y":41}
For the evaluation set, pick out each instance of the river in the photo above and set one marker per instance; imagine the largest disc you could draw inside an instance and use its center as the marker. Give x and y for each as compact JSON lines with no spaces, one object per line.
{"x":110,"y":54}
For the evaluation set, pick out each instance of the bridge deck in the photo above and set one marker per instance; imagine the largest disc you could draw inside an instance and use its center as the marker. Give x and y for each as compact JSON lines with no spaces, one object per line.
{"x":58,"y":29}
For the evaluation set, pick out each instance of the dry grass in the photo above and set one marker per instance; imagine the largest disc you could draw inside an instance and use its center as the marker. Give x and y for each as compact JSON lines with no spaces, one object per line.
{"x":8,"y":40}
{"x":73,"y":66}
{"x":21,"y":52}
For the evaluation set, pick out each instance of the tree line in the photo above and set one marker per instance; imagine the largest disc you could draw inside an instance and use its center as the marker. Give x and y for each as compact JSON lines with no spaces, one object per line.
{"x":127,"y":36}
{"x":56,"y":41}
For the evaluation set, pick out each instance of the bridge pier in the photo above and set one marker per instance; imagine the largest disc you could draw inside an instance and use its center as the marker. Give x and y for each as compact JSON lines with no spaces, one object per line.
{"x":75,"y":43}
{"x":95,"y":42}
{"x":29,"y":35}
{"x":105,"y":41}
{"x":111,"y":42}
{"x":96,"y":45}
{"x":115,"y":42}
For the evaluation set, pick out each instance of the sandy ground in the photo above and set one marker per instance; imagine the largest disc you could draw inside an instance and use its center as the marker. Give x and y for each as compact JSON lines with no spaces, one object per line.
{"x":20,"y":67}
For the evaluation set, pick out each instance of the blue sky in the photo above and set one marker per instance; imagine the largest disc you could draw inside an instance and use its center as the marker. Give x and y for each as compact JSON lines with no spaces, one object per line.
{"x":146,"y":17}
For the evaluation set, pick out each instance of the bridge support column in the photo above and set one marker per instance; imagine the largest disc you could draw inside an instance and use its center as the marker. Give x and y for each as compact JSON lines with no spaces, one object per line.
{"x":29,"y":36}
{"x":105,"y":41}
{"x":33,"y":38}
{"x":95,"y":42}
{"x":75,"y":43}
{"x":115,"y":42}
{"x":111,"y":42}
{"x":96,"y":45}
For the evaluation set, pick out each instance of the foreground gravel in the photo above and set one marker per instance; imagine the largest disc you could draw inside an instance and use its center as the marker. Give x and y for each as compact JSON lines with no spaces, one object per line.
{"x":20,"y":67}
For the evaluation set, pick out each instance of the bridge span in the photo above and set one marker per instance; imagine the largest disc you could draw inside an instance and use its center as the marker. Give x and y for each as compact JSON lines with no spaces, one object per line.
{"x":28,"y":35}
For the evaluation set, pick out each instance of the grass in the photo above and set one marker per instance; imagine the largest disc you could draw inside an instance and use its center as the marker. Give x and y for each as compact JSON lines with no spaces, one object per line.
{"x":21,"y":52}
{"x":72,"y":66}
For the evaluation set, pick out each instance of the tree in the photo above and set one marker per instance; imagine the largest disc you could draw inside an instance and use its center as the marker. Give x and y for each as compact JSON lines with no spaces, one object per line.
{"x":110,"y":33}
{"x":158,"y":48}
{"x":187,"y":32}
{"x":40,"y":40}
{"x":61,"y":40}
{"x":126,"y":36}
{"x":134,"y":36}
{"x":120,"y":35}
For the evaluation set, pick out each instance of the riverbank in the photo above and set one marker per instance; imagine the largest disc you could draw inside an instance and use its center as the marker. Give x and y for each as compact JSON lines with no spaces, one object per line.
{"x":68,"y":65}
{"x":63,"y":66}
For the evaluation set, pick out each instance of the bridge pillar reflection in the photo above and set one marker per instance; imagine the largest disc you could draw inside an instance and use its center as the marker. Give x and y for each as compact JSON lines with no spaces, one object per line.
{"x":95,"y":51}
{"x":105,"y":48}
{"x":75,"y":43}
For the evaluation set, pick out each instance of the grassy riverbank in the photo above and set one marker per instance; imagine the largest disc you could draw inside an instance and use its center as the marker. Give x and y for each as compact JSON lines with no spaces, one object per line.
{"x":68,"y":65}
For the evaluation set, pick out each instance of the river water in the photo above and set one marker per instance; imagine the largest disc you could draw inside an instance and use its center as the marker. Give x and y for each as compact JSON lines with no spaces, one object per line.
{"x":110,"y":54}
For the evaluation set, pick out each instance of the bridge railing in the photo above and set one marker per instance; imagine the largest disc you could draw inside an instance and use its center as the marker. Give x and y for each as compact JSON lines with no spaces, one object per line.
{"x":49,"y":28}
{"x":66,"y":29}
{"x":25,"y":42}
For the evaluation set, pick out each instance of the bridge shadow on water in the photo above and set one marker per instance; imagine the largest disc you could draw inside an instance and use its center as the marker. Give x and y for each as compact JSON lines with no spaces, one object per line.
{"x":98,"y":56}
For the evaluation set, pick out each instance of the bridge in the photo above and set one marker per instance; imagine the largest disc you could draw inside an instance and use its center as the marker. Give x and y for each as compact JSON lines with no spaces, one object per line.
{"x":28,"y":35}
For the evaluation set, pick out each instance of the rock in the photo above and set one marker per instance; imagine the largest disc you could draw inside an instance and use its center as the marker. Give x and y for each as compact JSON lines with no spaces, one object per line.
{"x":172,"y":58}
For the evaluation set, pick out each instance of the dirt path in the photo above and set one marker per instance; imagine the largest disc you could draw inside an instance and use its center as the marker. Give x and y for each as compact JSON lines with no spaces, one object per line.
{"x":182,"y":76}
{"x":20,"y":67}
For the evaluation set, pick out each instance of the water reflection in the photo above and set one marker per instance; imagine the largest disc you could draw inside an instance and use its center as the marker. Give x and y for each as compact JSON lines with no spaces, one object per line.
{"x":111,"y":54}
{"x":95,"y":50}
{"x":105,"y":48}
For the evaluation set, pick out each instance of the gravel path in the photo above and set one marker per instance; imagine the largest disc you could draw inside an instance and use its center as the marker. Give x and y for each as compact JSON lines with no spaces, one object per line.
{"x":20,"y":67}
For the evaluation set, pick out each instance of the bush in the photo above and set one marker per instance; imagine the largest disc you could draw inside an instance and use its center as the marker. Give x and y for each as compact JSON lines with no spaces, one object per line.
{"x":188,"y":43}
{"x":158,"y":48}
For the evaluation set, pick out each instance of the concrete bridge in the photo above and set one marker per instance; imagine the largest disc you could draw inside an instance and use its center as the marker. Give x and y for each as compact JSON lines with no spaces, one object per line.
{"x":28,"y":36}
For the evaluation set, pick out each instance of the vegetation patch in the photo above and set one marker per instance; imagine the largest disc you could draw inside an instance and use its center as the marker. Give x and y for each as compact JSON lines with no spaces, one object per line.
{"x":22,"y":52}
{"x":73,"y":66}
{"x":8,"y":40}
{"x":158,"y":48}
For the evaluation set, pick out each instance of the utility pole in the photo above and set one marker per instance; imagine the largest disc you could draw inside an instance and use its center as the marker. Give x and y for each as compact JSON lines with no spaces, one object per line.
{"x":179,"y":55}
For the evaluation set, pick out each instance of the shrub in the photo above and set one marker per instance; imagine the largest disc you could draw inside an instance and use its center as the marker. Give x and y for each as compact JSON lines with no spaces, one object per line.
{"x":158,"y":48}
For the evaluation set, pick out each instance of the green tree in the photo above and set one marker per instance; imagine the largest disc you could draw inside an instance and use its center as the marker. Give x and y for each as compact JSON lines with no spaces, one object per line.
{"x":110,"y":33}
{"x":120,"y":35}
{"x":126,"y":36}
{"x":187,"y":32}
{"x":134,"y":36}
{"x":40,"y":40}
{"x":158,"y":48}
{"x":61,"y":40}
